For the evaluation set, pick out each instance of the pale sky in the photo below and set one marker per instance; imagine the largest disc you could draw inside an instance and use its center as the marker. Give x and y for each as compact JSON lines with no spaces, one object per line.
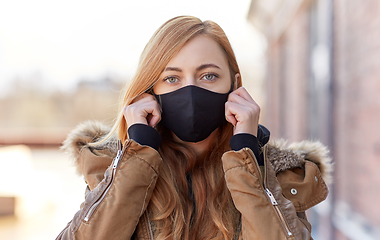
{"x":65,"y":41}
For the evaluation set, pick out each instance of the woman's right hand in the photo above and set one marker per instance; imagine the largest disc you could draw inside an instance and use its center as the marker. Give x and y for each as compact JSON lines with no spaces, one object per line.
{"x":144,"y":109}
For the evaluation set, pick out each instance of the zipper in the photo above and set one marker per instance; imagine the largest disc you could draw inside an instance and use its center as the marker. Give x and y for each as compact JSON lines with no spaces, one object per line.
{"x":278,"y":211}
{"x":118,"y":155}
{"x":274,"y":202}
{"x":102,"y":196}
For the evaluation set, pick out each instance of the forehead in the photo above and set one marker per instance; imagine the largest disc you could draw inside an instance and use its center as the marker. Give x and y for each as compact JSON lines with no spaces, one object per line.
{"x":200,"y":50}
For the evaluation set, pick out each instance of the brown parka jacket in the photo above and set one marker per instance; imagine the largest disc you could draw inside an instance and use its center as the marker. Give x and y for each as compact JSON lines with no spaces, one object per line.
{"x":272,"y":199}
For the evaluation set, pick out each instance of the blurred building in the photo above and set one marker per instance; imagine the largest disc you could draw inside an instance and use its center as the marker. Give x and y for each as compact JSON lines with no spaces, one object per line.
{"x":40,"y":190}
{"x":31,"y":116}
{"x":322,"y":82}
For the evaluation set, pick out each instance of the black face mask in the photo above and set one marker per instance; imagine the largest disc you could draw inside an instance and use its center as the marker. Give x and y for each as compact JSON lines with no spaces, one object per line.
{"x":192,"y":113}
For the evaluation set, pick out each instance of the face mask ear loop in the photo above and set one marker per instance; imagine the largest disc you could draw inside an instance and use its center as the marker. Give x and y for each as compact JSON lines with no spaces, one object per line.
{"x":158,"y":97}
{"x":159,"y":100}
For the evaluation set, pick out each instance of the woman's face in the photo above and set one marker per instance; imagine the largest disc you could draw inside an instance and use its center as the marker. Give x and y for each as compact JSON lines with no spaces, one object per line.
{"x":200,"y":62}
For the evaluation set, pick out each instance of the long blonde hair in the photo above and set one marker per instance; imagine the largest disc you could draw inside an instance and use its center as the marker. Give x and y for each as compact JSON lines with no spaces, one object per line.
{"x":191,"y":200}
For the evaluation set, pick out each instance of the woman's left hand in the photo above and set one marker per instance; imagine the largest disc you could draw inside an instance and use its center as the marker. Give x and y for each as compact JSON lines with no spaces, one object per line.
{"x":242,"y":111}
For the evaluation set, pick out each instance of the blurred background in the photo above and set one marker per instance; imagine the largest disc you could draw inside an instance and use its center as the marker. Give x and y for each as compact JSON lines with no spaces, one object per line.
{"x":312,"y":65}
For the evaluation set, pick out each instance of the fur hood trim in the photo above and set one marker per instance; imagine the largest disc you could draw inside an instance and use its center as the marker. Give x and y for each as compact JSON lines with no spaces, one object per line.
{"x":281,"y":155}
{"x":85,"y":133}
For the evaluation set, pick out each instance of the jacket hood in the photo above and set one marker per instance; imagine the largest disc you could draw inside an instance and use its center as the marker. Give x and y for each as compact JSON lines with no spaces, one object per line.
{"x":281,"y":155}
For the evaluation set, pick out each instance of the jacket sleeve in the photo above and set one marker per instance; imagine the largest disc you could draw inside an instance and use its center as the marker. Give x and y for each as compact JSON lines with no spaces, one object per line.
{"x":113,"y":208}
{"x":265,"y":212}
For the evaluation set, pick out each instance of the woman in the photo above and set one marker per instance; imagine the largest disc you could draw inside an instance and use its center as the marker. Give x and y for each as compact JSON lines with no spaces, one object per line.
{"x":194,"y":163}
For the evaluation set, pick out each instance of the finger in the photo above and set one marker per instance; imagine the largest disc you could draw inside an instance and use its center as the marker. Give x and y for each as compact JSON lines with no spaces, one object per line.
{"x":244,"y":119}
{"x":242,"y":92}
{"x":240,"y":100}
{"x":142,"y":111}
{"x":230,"y":113}
{"x":241,"y":112}
{"x":244,"y":103}
{"x":155,"y":115}
{"x":134,"y":114}
{"x":145,"y":97}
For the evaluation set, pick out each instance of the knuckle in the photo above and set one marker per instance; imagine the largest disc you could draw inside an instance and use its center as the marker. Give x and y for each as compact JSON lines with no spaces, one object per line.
{"x":131,"y":109}
{"x":254,"y":111}
{"x":127,"y":108}
{"x":148,"y":96}
{"x":241,"y":89}
{"x":255,"y":107}
{"x":258,"y":109}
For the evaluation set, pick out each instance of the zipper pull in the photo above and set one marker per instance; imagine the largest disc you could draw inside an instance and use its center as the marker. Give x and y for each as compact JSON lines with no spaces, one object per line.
{"x":118,"y":155}
{"x":271,"y":197}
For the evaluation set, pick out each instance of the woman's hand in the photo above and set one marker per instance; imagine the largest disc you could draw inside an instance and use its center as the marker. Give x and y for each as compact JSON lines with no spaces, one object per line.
{"x":144,"y":109}
{"x":243,"y":112}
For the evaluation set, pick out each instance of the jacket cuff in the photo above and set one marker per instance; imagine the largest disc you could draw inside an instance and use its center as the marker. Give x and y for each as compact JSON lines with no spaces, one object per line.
{"x":144,"y":135}
{"x":242,"y":140}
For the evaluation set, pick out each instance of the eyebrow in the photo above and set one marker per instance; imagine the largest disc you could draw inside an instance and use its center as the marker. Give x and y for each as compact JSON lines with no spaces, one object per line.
{"x":175,"y":69}
{"x":208,"y":65}
{"x":201,"y":67}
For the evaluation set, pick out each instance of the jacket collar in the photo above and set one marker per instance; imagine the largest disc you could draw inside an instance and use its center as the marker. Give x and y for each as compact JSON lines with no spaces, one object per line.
{"x":281,"y":155}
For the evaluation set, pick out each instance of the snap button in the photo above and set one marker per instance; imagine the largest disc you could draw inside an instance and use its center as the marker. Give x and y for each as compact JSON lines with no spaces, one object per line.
{"x":293,"y":191}
{"x":316,"y":179}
